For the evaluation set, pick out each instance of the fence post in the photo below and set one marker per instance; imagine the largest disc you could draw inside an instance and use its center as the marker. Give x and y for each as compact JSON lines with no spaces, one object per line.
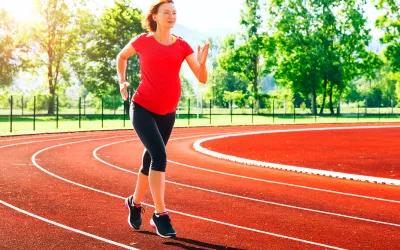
{"x":210,"y":111}
{"x":273,"y":110}
{"x":79,"y":108}
{"x":84,"y":105}
{"x":114,"y":105}
{"x":11,"y":114}
{"x":358,"y":111}
{"x":379,"y":110}
{"x":231,"y":110}
{"x":315,"y":114}
{"x":337,"y":113}
{"x":22,"y":104}
{"x":102,"y":112}
{"x":391,"y":103}
{"x":189,"y":112}
{"x":34,"y":113}
{"x":57,"y":114}
{"x":294,"y":113}
{"x":252,"y":113}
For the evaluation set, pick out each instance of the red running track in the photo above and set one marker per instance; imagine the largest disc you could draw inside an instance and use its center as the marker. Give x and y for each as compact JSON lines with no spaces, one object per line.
{"x":66,"y":191}
{"x":369,"y":151}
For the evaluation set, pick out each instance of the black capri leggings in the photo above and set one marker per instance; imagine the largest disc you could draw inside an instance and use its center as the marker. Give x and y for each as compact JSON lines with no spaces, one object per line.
{"x":154,"y":131}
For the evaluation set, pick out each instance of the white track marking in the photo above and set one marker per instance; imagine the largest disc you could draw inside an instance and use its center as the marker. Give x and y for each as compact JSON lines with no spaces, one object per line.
{"x":67,"y":227}
{"x":173,"y":211}
{"x":31,"y":142}
{"x":285,"y":184}
{"x":197,"y":146}
{"x":241,"y":176}
{"x":248,"y":198}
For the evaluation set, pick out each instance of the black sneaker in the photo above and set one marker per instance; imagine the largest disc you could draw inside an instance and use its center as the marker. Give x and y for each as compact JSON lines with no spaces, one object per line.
{"x":135,"y":213}
{"x":162,"y":224}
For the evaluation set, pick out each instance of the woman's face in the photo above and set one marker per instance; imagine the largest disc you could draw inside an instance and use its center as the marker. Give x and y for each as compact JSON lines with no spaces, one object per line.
{"x":166,"y":16}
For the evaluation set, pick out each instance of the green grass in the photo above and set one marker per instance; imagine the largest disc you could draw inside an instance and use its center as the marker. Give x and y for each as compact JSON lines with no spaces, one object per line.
{"x":43,"y":124}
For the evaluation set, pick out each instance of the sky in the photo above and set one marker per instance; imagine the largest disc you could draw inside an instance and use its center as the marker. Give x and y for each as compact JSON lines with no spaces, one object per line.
{"x":198,"y":15}
{"x":203,"y":16}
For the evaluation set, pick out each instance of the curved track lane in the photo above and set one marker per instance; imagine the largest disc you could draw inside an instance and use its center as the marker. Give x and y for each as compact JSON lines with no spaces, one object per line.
{"x":77,"y":182}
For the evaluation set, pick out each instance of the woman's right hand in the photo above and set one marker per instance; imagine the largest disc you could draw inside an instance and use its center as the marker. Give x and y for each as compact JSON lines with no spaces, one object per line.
{"x":123,"y":89}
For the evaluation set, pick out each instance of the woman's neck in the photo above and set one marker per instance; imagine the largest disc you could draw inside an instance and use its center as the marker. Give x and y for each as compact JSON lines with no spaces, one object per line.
{"x":163,"y":36}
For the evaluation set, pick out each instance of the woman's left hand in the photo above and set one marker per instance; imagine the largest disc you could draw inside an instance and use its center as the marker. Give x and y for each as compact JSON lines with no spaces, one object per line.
{"x":202,"y":54}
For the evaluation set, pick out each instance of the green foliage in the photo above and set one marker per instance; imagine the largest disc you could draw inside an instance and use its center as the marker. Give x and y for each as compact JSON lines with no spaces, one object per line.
{"x":321,"y":45}
{"x":187,"y":89}
{"x":117,"y":25}
{"x":222,"y":81}
{"x":237,"y":97}
{"x":12,"y":49}
{"x":243,"y":55}
{"x":390,"y":23}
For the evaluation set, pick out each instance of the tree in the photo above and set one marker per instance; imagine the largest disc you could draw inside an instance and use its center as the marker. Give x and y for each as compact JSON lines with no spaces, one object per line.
{"x":390,"y":23}
{"x":243,"y":55}
{"x":13,"y":47}
{"x":321,"y":44}
{"x":112,"y":31}
{"x":53,"y":38}
{"x":222,"y":81}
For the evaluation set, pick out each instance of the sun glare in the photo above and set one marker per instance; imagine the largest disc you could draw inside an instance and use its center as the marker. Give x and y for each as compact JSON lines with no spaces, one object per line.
{"x":22,"y":10}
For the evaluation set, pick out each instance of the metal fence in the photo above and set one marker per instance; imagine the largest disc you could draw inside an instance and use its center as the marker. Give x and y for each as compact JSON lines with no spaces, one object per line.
{"x":29,"y":110}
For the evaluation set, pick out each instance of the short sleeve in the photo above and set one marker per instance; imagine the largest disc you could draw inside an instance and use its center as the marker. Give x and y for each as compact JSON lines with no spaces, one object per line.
{"x":138,"y":42}
{"x":187,"y":50}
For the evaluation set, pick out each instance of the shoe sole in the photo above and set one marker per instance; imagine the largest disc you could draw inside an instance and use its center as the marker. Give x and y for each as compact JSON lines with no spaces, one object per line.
{"x":153,"y":225}
{"x":129,"y":217}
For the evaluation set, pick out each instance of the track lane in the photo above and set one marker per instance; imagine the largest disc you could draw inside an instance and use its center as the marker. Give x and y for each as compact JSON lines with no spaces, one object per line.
{"x":114,"y":181}
{"x":117,"y":150}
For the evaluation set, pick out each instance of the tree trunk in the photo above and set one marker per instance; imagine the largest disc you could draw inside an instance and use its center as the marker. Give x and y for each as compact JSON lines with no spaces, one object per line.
{"x":331,"y":99}
{"x":324,"y":97}
{"x":50,"y":109}
{"x":255,"y":85}
{"x":314,"y":102}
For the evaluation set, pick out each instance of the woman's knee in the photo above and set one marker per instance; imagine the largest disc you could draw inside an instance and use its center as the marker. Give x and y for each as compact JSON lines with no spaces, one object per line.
{"x":159,"y":161}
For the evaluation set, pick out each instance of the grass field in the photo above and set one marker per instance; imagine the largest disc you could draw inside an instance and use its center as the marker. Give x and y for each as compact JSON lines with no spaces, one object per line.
{"x":43,"y":124}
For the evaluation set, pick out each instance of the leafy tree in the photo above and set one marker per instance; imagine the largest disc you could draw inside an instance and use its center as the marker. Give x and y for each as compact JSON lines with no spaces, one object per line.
{"x":110,"y":33}
{"x":187,"y":89}
{"x":390,"y":23}
{"x":244,"y":55}
{"x":13,"y":48}
{"x":222,"y":81}
{"x":321,"y":44}
{"x":53,"y":38}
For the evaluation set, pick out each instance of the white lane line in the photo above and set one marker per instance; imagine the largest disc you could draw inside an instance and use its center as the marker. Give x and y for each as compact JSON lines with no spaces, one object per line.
{"x":286,"y":184}
{"x":67,"y":227}
{"x":245,"y":177}
{"x":247,"y":198}
{"x":29,"y":142}
{"x":172,"y":211}
{"x":197,"y":146}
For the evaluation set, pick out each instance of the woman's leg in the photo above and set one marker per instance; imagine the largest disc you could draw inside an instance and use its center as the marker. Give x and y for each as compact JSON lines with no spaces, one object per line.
{"x":142,"y":184}
{"x":165,"y":125}
{"x":147,"y":129}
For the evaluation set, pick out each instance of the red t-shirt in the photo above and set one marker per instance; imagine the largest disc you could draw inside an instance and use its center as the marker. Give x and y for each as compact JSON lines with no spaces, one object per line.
{"x":159,"y":90}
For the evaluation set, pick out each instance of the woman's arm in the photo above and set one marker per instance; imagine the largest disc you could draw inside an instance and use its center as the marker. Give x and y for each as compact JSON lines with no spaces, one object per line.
{"x":122,"y":60}
{"x":198,"y":65}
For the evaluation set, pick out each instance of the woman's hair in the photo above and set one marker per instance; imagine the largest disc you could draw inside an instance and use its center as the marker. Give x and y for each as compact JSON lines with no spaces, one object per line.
{"x":148,"y":22}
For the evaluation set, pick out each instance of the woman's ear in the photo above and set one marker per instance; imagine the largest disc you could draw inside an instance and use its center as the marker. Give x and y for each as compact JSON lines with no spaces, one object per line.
{"x":154,"y":16}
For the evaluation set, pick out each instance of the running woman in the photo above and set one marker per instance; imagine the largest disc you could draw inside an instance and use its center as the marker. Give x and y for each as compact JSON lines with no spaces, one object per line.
{"x":154,"y":103}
